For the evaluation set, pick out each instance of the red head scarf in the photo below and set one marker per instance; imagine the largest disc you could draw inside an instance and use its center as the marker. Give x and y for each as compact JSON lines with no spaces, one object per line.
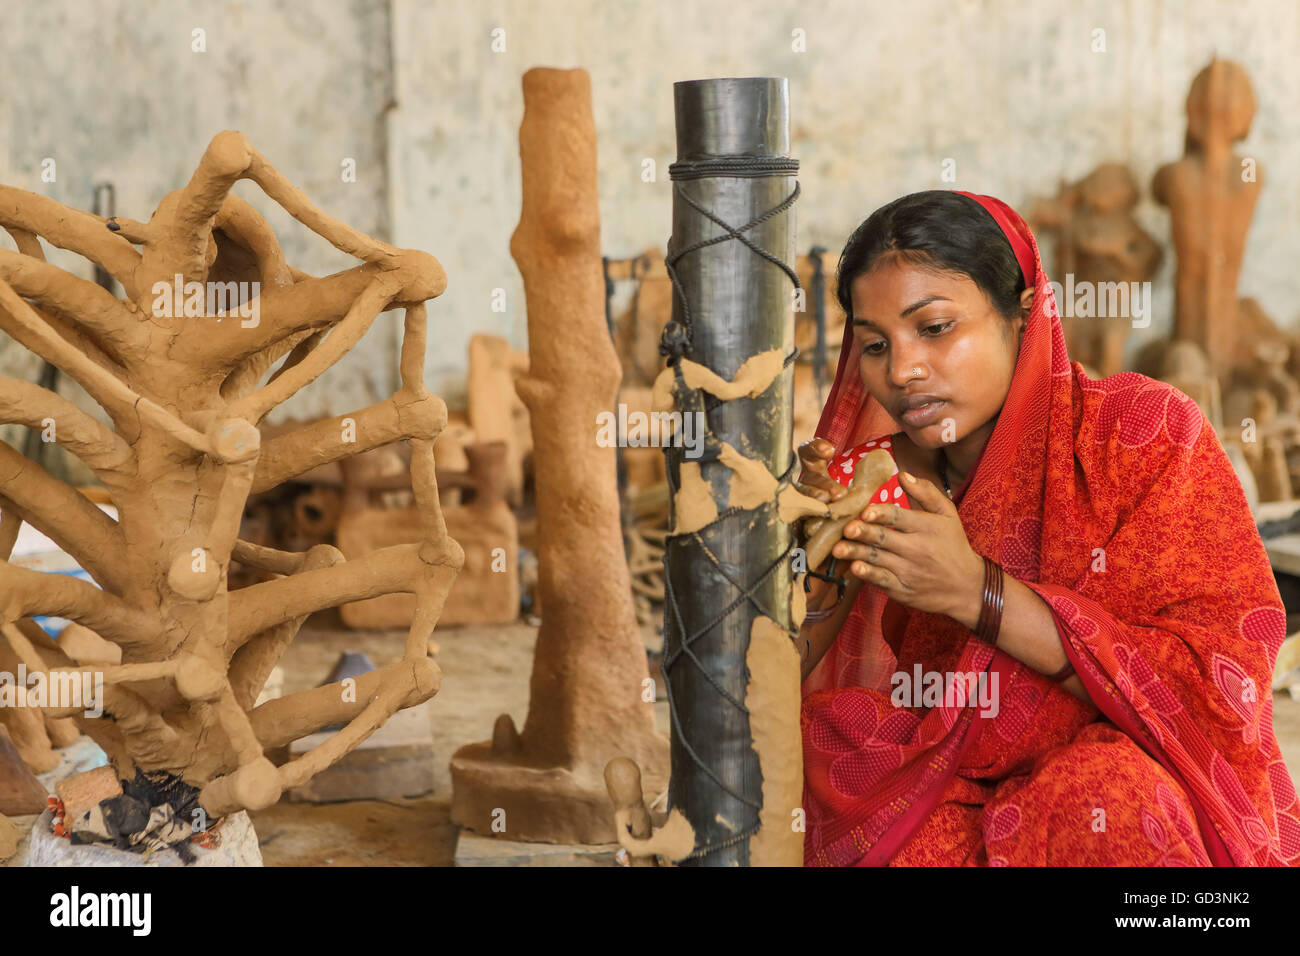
{"x":1114,"y":501}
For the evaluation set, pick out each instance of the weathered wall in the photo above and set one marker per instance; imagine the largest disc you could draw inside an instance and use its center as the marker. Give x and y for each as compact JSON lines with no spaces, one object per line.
{"x":416,"y":95}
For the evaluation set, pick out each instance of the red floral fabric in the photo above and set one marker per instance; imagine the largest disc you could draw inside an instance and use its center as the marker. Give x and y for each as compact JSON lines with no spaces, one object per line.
{"x":1114,"y":501}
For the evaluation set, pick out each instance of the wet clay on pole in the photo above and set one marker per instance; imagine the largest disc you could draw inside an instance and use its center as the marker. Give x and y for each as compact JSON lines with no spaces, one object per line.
{"x":587,"y":704}
{"x":729,"y":664}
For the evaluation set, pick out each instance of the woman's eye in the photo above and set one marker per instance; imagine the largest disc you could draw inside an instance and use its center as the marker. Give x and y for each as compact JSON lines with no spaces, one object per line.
{"x":936,"y":328}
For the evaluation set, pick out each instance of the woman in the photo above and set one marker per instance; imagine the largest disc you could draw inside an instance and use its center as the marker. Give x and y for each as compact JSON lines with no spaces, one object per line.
{"x":1091,"y":581}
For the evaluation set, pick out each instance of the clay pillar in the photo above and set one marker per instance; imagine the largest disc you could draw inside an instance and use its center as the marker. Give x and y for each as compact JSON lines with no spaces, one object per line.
{"x":731,"y":304}
{"x":587,"y":701}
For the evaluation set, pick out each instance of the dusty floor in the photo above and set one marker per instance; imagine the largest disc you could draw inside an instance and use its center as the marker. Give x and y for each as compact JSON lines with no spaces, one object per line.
{"x":485,"y":673}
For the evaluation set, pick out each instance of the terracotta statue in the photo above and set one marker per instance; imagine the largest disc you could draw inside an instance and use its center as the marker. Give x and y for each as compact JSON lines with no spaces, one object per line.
{"x":180,"y":365}
{"x":1098,"y":241}
{"x":1211,"y":194}
{"x":587,"y":700}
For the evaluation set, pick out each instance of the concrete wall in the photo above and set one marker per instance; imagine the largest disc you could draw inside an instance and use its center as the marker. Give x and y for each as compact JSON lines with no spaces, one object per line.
{"x":884,"y":93}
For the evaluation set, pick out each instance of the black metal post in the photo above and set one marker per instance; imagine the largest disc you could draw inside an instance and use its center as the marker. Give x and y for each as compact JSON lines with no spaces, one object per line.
{"x":730,"y":303}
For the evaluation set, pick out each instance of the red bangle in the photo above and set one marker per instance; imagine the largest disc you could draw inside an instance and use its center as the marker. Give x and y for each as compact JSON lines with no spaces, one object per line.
{"x":990,"y":619}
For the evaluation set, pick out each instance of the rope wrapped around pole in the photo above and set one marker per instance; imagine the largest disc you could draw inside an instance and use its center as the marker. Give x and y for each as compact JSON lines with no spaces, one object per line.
{"x":730,"y":348}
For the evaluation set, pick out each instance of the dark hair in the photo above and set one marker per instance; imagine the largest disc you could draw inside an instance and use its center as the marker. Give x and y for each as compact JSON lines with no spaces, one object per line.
{"x":941,"y":230}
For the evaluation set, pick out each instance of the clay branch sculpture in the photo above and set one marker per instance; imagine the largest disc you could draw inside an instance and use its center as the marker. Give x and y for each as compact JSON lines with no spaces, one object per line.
{"x":182,"y":383}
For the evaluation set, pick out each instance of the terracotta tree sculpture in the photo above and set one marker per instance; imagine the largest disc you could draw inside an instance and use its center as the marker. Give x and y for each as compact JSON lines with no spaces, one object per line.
{"x":587,"y":700}
{"x":184,"y":388}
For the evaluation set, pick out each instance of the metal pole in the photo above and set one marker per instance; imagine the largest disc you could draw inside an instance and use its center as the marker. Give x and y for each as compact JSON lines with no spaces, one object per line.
{"x":730,"y":303}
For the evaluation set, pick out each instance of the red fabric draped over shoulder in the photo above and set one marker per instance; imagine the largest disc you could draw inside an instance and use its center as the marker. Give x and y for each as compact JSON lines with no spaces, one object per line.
{"x":1115,"y":502}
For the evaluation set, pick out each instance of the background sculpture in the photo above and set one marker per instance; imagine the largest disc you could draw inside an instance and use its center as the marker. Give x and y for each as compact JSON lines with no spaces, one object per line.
{"x":1211,"y":195}
{"x":586,"y":702}
{"x":1098,"y":240}
{"x":185,"y":386}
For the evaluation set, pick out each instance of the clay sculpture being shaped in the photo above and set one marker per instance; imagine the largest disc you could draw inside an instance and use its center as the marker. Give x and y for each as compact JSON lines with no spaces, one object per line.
{"x":180,"y":367}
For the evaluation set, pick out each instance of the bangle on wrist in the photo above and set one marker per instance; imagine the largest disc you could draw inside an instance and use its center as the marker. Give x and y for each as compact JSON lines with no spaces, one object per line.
{"x":989,"y":624}
{"x":812,"y":617}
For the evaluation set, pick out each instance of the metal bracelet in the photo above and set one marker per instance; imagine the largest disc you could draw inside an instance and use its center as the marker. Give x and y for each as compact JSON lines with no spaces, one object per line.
{"x":990,"y":619}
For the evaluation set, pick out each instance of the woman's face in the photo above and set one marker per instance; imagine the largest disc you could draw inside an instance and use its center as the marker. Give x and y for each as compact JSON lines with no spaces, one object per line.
{"x":932,"y":336}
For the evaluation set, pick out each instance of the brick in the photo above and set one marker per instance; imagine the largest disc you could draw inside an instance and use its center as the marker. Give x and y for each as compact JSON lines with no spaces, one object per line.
{"x":82,"y":791}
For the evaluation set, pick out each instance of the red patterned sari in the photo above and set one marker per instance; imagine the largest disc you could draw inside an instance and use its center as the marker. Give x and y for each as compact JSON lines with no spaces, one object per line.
{"x":1114,"y":501}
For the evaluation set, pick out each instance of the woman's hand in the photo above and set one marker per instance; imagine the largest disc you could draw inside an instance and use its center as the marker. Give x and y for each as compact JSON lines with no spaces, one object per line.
{"x":920,"y":558}
{"x":815,"y":456}
{"x":817,"y":483}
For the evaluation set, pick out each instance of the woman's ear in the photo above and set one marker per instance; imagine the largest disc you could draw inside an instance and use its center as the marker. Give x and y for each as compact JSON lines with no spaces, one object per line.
{"x":1026,"y":306}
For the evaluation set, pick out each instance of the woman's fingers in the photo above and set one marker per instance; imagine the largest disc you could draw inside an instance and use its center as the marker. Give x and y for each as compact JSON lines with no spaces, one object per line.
{"x":853,"y":551}
{"x":925,"y":495}
{"x":893,"y":516}
{"x":860,"y":541}
{"x":823,"y":448}
{"x":816,"y":454}
{"x":816,"y":450}
{"x":824,"y":489}
{"x":873,"y":543}
{"x":816,"y":480}
{"x":882,"y":578}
